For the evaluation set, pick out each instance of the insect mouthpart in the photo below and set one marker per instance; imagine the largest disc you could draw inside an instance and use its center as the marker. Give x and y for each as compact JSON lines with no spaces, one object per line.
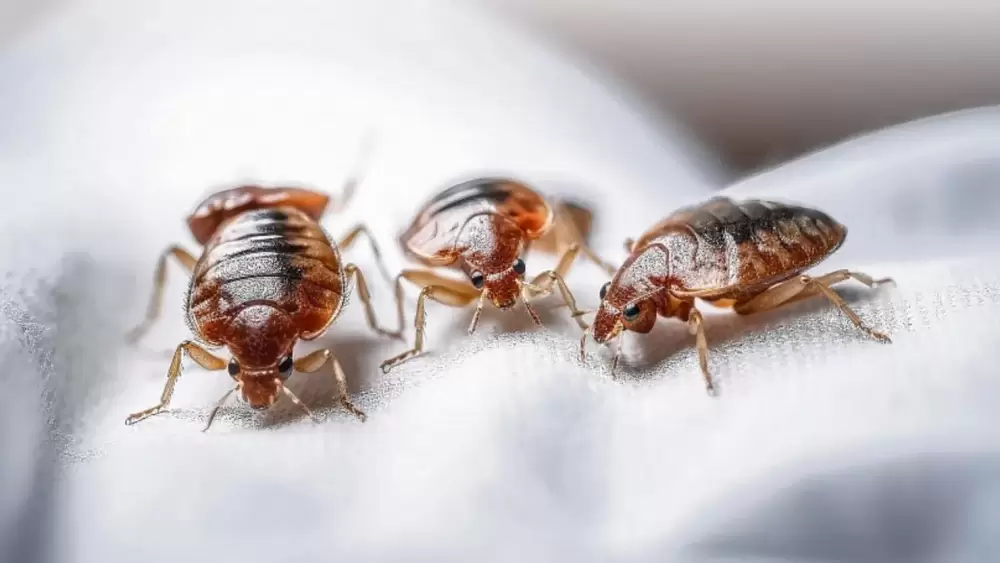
{"x":504,"y":300}
{"x":503,"y":289}
{"x":259,"y":391}
{"x":607,"y":325}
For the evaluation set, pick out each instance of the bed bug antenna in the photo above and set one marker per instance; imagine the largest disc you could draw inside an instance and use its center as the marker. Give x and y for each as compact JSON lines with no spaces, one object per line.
{"x":215,"y":411}
{"x":296,"y":400}
{"x":366,"y":147}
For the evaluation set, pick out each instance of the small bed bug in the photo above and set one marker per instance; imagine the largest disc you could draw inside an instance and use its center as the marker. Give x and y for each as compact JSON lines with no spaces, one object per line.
{"x":482,"y":227}
{"x":747,"y":255}
{"x":268,"y":276}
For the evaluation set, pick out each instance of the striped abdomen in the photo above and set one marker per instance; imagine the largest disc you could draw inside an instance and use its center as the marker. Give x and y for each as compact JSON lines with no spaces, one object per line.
{"x":278,"y":257}
{"x":725,"y":248}
{"x":468,"y":215}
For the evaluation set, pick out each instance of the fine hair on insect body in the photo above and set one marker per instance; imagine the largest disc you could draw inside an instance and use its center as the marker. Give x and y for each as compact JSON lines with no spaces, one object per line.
{"x":749,"y":256}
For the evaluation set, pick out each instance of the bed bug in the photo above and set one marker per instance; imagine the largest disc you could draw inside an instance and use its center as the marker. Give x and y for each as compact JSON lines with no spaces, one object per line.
{"x":746,"y":255}
{"x":482,"y":227}
{"x":268,"y":276}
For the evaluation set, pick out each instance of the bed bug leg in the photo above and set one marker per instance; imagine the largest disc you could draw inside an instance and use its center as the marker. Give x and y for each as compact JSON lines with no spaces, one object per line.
{"x":418,"y":340}
{"x":438,"y":288}
{"x":352,"y":236}
{"x":366,"y":300}
{"x":203,"y":357}
{"x":572,"y":227}
{"x":835,"y":277}
{"x":531,"y":310}
{"x":697,"y":328}
{"x":803,"y":287}
{"x":568,"y":235}
{"x":542,"y":284}
{"x":313,"y":361}
{"x":629,"y":244}
{"x":548,"y":277}
{"x":159,"y":281}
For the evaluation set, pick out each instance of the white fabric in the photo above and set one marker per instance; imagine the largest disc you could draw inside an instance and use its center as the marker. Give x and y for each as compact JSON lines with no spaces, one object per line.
{"x":500,"y":446}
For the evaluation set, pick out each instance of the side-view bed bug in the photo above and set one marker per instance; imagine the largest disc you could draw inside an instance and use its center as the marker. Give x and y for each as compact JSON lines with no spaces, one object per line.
{"x":268,"y":276}
{"x":747,"y":255}
{"x":482,"y":227}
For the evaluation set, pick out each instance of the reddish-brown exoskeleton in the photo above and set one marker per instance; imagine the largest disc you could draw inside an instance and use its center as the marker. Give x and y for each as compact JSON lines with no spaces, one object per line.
{"x":268,"y":276}
{"x":482,"y":227}
{"x":746,"y":255}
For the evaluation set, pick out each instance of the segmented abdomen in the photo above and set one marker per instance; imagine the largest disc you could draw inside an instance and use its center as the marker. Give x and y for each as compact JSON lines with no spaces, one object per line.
{"x":278,"y":256}
{"x":744,"y":247}
{"x":435,"y":233}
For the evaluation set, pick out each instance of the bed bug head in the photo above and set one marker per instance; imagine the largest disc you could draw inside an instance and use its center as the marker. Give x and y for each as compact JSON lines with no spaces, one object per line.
{"x":261,"y":338}
{"x":621,"y":309}
{"x":503,"y":287}
{"x":630,"y":300}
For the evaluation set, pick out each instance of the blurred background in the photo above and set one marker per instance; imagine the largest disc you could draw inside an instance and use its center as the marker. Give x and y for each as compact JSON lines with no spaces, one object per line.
{"x":760,"y":82}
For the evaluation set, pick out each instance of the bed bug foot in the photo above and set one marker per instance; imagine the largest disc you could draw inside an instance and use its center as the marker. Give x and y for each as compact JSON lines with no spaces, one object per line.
{"x":398,"y":359}
{"x":142,"y":415}
{"x":351,"y":408}
{"x":196,"y":352}
{"x":340,"y":379}
{"x":880,"y":336}
{"x":697,"y":328}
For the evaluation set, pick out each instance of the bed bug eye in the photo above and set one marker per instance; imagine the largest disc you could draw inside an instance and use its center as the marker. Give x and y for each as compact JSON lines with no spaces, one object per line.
{"x":285,"y":367}
{"x":604,"y":289}
{"x":631,"y":312}
{"x":519,"y":267}
{"x":477,"y":279}
{"x":234,"y":368}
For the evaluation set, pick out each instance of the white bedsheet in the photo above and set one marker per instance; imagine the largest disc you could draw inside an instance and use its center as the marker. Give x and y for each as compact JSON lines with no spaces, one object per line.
{"x":501,"y":446}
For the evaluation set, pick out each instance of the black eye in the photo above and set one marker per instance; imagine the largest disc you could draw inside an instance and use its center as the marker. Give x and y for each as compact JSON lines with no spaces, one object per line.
{"x":234,"y":368}
{"x":285,"y":367}
{"x":519,"y":266}
{"x":604,"y":289}
{"x":631,"y":312}
{"x":477,"y":279}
